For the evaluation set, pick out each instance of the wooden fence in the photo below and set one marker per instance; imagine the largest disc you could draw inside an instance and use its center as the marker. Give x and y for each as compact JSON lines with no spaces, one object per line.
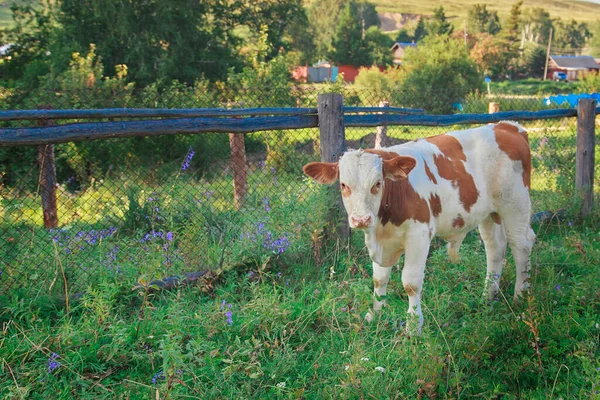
{"x":330,"y":116}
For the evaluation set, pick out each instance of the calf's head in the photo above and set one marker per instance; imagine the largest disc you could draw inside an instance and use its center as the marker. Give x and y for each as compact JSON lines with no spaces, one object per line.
{"x":362,"y":176}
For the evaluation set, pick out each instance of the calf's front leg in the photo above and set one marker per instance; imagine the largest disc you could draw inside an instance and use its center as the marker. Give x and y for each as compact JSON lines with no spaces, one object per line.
{"x":413,"y":275}
{"x":381,"y":277}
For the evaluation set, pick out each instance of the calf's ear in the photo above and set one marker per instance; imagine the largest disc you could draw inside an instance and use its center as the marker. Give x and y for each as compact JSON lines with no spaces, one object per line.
{"x":322,"y":172}
{"x":398,"y":167}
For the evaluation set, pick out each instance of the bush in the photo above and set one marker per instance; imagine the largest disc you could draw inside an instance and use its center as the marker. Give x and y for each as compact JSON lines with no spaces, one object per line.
{"x":439,"y":73}
{"x":589,"y":83}
{"x":376,"y":86}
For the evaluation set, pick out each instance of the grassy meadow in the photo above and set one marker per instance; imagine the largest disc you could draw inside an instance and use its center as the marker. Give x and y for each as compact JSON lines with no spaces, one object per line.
{"x":283,"y":326}
{"x":278,"y":310}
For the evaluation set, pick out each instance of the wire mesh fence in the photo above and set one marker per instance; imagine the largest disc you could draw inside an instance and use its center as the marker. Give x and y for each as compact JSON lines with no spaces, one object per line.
{"x":165,"y":205}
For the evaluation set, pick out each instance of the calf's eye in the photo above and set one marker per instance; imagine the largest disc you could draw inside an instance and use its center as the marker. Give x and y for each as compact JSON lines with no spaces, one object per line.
{"x":376,"y":187}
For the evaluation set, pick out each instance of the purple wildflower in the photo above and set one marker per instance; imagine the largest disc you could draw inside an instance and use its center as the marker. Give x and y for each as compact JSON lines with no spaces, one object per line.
{"x":251,"y":274}
{"x":159,"y":376}
{"x":188,"y":158}
{"x":570,"y":223}
{"x":557,"y":287}
{"x":267,"y":206}
{"x":228,"y":316}
{"x":52,"y":363}
{"x":170,"y":236}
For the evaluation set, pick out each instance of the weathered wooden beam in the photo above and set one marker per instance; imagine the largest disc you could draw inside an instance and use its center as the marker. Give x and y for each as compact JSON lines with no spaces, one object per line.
{"x":16,"y":115}
{"x":388,"y":110}
{"x":584,"y":159}
{"x":381,"y":138}
{"x":99,"y":113}
{"x":374,"y":120}
{"x":333,"y":145}
{"x":106,"y":130}
{"x":239,"y":168}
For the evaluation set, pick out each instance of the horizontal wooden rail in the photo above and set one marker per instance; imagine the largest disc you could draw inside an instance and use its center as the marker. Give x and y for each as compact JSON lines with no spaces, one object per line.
{"x":105,"y":130}
{"x":386,"y":110}
{"x":149,"y":113}
{"x":15,"y":115}
{"x":441,"y":120}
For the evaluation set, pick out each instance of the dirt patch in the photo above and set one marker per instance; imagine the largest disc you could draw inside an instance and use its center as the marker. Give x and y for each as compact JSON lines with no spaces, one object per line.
{"x":394,"y":21}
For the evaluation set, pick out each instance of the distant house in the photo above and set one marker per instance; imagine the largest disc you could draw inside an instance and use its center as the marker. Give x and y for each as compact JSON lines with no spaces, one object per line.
{"x":573,"y":66}
{"x":399,"y":48}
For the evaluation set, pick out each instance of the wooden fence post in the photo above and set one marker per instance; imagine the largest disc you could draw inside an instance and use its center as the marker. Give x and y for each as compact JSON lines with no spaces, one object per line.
{"x":333,"y":145}
{"x":240,"y":168}
{"x":493,"y":108}
{"x":381,"y":140}
{"x":584,"y":161}
{"x":47,"y":181}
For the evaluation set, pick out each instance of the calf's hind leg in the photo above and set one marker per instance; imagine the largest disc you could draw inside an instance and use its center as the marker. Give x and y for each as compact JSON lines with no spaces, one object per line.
{"x":520,"y":238}
{"x":494,"y":238}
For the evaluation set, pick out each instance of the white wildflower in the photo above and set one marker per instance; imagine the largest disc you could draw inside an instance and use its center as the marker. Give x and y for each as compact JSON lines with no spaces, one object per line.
{"x":281,"y":385}
{"x":346,"y":367}
{"x":364,"y":359}
{"x":380,"y":369}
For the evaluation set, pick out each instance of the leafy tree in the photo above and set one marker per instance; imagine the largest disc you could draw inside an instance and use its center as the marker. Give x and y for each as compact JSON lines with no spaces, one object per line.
{"x":510,"y":40}
{"x":323,"y":19}
{"x":158,"y":40}
{"x":535,"y":60}
{"x":571,"y":36}
{"x":482,"y":20}
{"x":438,"y":74}
{"x":31,"y":40}
{"x":488,"y":54}
{"x":350,"y":45}
{"x":536,"y":25}
{"x":403,"y":36}
{"x":420,"y":30}
{"x":595,"y":40}
{"x":439,"y":24}
{"x":380,"y":45}
{"x":287,"y":21}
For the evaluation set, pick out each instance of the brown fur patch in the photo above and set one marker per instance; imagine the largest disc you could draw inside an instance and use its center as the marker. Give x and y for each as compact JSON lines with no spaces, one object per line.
{"x":411,"y":290}
{"x":458,"y":222}
{"x":394,"y":165}
{"x":435,"y":204}
{"x":451,"y":166}
{"x":516,"y":146}
{"x":322,"y":172}
{"x":496,"y":218}
{"x":429,"y":173}
{"x":399,"y":201}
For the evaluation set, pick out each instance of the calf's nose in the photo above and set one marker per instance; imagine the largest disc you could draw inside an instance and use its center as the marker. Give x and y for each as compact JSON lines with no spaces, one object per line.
{"x":361,"y":222}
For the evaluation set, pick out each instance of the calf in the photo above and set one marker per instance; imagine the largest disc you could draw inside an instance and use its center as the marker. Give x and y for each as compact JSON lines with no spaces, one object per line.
{"x":402,"y":196}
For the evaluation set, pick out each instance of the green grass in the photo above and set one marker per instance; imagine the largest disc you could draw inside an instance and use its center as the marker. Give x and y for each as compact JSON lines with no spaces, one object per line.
{"x":297,"y":328}
{"x":300,"y":333}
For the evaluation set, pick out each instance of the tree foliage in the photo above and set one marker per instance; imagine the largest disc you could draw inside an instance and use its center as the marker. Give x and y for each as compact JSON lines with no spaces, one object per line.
{"x":537,"y":24}
{"x":571,"y":36}
{"x":31,"y":40}
{"x":439,"y":25}
{"x":438,"y":74}
{"x":350,"y":44}
{"x":420,"y":30}
{"x":482,"y":20}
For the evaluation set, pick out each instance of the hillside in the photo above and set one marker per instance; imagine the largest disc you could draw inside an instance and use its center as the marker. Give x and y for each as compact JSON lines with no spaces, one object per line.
{"x":457,"y":9}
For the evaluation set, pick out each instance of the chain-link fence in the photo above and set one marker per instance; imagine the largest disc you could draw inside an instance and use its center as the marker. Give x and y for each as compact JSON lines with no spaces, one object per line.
{"x":165,"y":205}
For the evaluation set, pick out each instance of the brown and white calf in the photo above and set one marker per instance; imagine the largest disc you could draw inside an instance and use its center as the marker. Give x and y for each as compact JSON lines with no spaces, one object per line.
{"x":402,"y":196}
